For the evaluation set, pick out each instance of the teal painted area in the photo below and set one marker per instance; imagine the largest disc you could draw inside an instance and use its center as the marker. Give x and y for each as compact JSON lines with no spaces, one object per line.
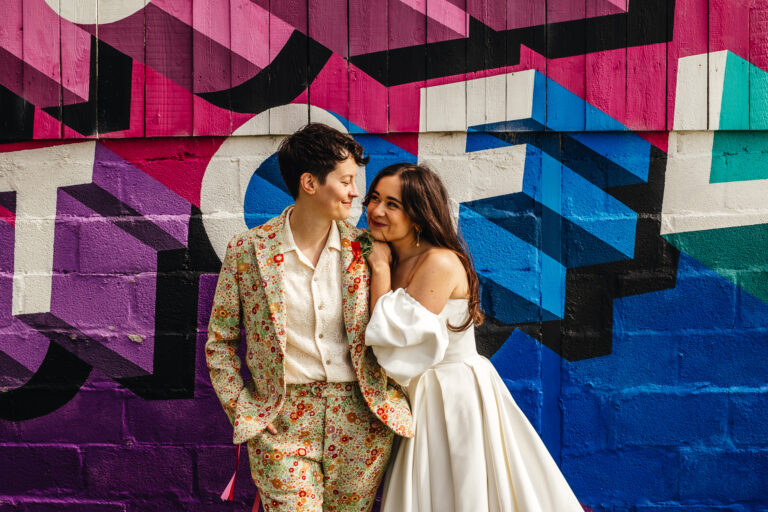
{"x":739,"y":254}
{"x":734,"y":107}
{"x":739,"y":156}
{"x":758,"y":99}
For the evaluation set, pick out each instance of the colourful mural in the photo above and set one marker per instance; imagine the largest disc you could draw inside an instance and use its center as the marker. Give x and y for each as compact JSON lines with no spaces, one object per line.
{"x":606,"y":161}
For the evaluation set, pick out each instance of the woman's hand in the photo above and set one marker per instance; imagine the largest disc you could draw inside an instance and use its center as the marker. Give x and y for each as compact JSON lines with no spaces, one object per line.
{"x":380,"y":257}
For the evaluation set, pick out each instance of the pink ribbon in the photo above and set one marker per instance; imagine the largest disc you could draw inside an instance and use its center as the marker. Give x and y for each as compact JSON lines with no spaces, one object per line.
{"x":229,"y":490}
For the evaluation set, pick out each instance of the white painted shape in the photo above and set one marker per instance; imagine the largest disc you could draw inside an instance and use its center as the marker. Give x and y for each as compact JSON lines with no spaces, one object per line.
{"x":717,"y":61}
{"x":692,"y":203}
{"x":85,"y":12}
{"x":472,"y":176}
{"x":36,"y":175}
{"x":691,"y":93}
{"x":229,"y":172}
{"x":520,"y":95}
{"x":286,"y":119}
{"x":493,"y":99}
{"x":443,"y":108}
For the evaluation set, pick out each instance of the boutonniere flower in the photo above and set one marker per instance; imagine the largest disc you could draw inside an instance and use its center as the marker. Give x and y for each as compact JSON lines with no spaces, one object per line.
{"x":361,"y":248}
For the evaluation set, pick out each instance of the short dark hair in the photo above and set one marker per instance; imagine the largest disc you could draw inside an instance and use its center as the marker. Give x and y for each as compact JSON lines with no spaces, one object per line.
{"x":315,"y":148}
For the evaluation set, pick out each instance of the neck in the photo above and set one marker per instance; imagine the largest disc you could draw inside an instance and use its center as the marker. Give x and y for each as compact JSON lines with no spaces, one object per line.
{"x":309,"y":227}
{"x":406,"y":248}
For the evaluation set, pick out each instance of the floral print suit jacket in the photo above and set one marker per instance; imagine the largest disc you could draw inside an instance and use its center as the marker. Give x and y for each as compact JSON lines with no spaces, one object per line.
{"x":250,"y":292}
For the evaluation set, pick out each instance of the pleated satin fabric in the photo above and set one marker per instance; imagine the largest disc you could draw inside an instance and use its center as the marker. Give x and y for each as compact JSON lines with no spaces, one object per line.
{"x":474,"y":450}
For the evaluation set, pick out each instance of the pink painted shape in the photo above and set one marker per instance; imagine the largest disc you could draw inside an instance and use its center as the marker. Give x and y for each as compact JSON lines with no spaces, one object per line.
{"x":729,"y":26}
{"x":7,"y":216}
{"x":689,"y":38}
{"x":368,"y":101}
{"x":646,"y":87}
{"x":168,"y":107}
{"x":179,"y":163}
{"x":492,"y":13}
{"x":249,"y":35}
{"x":444,"y":12}
{"x":658,"y":139}
{"x":280,"y":32}
{"x":30,"y":144}
{"x":368,"y":26}
{"x":330,"y":89}
{"x":11,"y":32}
{"x":179,"y":9}
{"x":607,"y":85}
{"x":45,"y":126}
{"x":407,"y":141}
{"x":44,"y":37}
{"x":328,"y":24}
{"x":524,"y":13}
{"x":210,"y":119}
{"x":75,"y":62}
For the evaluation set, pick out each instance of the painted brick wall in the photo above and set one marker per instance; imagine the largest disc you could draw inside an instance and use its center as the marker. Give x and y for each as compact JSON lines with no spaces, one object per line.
{"x":606,"y":160}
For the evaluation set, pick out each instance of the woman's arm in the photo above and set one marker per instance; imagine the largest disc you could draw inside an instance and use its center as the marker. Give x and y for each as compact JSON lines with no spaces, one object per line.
{"x":380,"y":261}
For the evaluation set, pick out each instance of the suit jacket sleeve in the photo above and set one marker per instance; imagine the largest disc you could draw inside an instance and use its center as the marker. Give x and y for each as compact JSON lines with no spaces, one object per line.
{"x":224,"y":334}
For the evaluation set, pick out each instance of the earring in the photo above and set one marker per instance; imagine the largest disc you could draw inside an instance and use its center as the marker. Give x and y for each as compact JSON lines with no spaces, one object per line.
{"x":418,"y":235}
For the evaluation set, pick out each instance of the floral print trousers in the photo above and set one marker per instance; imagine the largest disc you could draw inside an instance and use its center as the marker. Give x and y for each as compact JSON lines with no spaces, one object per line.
{"x":329,"y":454}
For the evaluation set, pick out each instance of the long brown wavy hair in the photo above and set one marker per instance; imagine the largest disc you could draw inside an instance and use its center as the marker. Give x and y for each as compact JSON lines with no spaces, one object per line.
{"x":425,"y":201}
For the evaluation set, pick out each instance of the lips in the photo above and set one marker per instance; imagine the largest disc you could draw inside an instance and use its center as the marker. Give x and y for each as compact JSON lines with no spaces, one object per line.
{"x":375,"y":224}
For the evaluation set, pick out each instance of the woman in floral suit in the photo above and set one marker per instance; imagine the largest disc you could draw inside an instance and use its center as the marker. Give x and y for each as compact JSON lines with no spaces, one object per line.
{"x":318,"y":412}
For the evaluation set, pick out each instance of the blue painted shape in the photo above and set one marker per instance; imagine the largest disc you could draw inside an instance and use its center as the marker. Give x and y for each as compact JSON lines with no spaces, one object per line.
{"x":565,"y":110}
{"x":263,"y":201}
{"x":627,"y":150}
{"x":514,"y":361}
{"x":734,"y":107}
{"x":604,"y":120}
{"x":518,"y":280}
{"x":676,"y":355}
{"x":483,"y":141}
{"x":517,"y":125}
{"x":578,"y":201}
{"x":269,"y":170}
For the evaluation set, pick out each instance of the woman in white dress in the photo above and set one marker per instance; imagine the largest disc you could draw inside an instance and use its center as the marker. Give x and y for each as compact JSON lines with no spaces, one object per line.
{"x":473,"y":450}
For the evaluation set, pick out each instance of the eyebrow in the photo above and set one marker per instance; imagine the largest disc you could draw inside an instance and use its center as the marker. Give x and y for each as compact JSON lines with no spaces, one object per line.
{"x":390,"y":198}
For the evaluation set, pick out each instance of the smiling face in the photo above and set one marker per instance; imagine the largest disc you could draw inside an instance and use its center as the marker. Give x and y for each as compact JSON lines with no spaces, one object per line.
{"x":334,"y":197}
{"x":386,"y":217}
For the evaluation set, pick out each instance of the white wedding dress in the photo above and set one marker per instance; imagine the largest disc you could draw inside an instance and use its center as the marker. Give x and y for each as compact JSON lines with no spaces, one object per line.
{"x":474,"y":450}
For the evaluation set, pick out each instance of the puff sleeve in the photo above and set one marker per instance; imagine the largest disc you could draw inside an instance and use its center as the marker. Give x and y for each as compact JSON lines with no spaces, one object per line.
{"x":406,"y":337}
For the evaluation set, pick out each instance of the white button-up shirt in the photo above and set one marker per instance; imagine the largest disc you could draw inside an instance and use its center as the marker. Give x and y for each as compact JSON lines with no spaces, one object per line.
{"x":316,"y":343}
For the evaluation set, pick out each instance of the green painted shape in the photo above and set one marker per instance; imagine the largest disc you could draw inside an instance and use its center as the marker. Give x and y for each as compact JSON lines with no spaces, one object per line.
{"x":738,"y":254}
{"x":758,"y":98}
{"x":734,"y":105}
{"x":739,"y":156}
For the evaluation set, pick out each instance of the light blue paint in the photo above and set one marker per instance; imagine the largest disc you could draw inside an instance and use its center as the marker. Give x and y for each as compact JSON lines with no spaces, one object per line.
{"x":579,"y":201}
{"x":514,"y":265}
{"x":628,"y":150}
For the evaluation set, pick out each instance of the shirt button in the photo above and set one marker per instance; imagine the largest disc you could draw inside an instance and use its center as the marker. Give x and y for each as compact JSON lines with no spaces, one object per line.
{"x":320,"y":335}
{"x":320,"y":307}
{"x":327,"y":361}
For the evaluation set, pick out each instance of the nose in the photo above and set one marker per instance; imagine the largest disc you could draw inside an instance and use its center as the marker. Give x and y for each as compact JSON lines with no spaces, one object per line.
{"x":375,"y":209}
{"x":354,"y":192}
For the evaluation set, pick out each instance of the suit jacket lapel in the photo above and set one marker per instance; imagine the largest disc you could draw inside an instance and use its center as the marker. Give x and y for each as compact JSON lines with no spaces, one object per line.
{"x":269,"y":257}
{"x":354,"y":281}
